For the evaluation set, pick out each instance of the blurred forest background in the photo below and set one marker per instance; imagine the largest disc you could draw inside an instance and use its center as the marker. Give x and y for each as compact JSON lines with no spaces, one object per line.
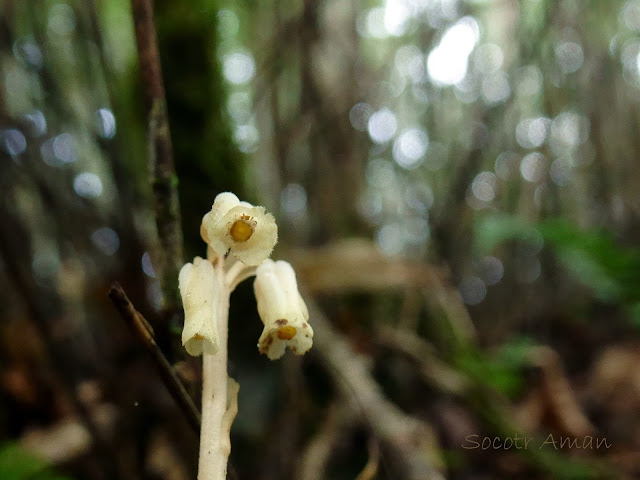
{"x":456,"y":183}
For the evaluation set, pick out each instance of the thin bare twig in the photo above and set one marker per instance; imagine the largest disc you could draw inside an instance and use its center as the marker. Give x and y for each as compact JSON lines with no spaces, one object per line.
{"x":433,"y":370}
{"x":370,"y":470}
{"x":413,"y":441}
{"x":164,"y":183}
{"x":144,"y":333}
{"x":317,"y":453}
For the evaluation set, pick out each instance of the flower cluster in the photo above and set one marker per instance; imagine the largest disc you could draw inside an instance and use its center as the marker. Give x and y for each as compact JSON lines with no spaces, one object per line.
{"x":247,"y":233}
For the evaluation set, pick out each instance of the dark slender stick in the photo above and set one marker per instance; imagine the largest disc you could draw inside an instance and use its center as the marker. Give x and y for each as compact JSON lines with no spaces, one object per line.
{"x":144,"y":333}
{"x":166,"y":204}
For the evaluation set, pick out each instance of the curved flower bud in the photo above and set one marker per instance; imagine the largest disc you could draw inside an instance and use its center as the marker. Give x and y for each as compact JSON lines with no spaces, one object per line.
{"x":200,"y":299}
{"x":248,"y":232}
{"x":282,"y":310}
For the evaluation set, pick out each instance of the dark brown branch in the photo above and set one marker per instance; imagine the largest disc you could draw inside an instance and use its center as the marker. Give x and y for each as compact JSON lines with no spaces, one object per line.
{"x":164,"y":183}
{"x":144,"y":333}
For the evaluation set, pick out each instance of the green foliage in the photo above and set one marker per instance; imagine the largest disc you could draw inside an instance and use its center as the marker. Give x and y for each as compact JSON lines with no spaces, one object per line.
{"x":611,"y":270}
{"x":17,"y":464}
{"x":492,"y":230}
{"x":501,"y":371}
{"x":593,"y":257}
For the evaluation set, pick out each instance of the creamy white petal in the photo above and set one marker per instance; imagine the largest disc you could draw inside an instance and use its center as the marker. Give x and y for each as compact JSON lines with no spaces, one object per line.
{"x":249,"y":233}
{"x":282,"y":311}
{"x":200,"y":300}
{"x":209,"y":228}
{"x":271,"y":299}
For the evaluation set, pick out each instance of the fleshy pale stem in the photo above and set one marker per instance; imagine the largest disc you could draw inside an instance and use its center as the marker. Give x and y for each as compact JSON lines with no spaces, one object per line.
{"x":218,"y":411}
{"x":238,"y":273}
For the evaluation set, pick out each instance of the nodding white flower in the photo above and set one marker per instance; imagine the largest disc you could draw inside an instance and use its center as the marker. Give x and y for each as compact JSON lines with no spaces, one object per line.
{"x":282,"y":310}
{"x":249,"y":233}
{"x":197,"y":284}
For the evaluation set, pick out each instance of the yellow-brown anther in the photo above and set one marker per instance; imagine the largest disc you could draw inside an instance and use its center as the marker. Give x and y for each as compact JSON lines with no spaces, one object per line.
{"x":242,"y":230}
{"x":287,"y":332}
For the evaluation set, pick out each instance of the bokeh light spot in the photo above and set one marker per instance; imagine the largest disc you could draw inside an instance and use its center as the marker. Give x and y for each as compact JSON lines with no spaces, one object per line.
{"x":359,"y":116}
{"x":529,"y":80}
{"x":569,"y":56}
{"x":379,"y":173}
{"x":532,"y":167}
{"x":488,"y":58}
{"x":396,"y":17}
{"x":629,"y":15}
{"x":447,"y":63}
{"x":483,"y":186}
{"x":62,"y":19}
{"x":390,"y":239}
{"x":62,"y":150}
{"x":492,"y":270}
{"x":409,"y":61}
{"x":561,"y":171}
{"x":382,"y":126}
{"x":228,"y":23}
{"x":239,"y":106}
{"x":410,"y":148}
{"x":568,"y":130}
{"x":496,"y":88}
{"x":28,"y":53}
{"x":38,"y":123}
{"x":106,"y":239}
{"x":472,"y":290}
{"x":147,"y":265}
{"x":238,"y":67}
{"x":105,"y":123}
{"x":293,"y":200}
{"x":13,"y":141}
{"x":87,"y":185}
{"x":247,"y":138}
{"x":532,"y":132}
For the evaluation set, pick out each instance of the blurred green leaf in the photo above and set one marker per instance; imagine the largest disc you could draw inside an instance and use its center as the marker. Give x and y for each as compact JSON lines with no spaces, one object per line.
{"x":611,"y":270}
{"x":633,"y":311}
{"x":495,"y":229}
{"x":494,"y":372}
{"x":515,"y":352}
{"x":594,"y":258}
{"x":18,"y":464}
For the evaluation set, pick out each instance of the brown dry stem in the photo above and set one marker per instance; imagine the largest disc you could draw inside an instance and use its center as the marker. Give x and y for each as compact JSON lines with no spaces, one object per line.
{"x":161,"y":164}
{"x":144,"y":333}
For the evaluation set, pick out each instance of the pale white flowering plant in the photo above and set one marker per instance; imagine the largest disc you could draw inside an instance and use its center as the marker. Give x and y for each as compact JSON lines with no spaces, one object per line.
{"x":240,"y":238}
